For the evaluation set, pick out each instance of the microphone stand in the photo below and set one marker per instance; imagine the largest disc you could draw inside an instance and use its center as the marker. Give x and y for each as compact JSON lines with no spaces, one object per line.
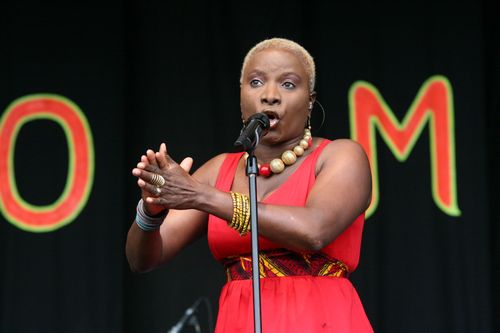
{"x":252,"y":171}
{"x":249,"y":138}
{"x":189,"y":317}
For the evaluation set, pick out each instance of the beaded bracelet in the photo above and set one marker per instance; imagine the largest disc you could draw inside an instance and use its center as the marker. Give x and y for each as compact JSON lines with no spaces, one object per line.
{"x":147,"y":222}
{"x":241,"y":213}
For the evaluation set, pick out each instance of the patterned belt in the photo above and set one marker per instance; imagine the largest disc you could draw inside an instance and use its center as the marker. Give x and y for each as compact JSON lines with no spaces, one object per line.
{"x":282,"y":262}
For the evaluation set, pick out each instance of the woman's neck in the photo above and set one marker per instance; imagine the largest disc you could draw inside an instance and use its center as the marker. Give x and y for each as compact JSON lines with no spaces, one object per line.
{"x":267,"y":152}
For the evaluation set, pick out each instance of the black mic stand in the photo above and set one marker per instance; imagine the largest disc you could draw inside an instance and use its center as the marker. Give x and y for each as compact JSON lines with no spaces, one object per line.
{"x":189,"y":317}
{"x":249,"y":139}
{"x":252,"y":171}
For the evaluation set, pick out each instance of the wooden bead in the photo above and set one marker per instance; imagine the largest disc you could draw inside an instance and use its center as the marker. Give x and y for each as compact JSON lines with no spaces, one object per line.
{"x":277,"y":165}
{"x":288,"y":157}
{"x":303,"y":143}
{"x":298,"y":150}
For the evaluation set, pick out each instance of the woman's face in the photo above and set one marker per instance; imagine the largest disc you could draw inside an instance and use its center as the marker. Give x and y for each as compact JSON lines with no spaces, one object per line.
{"x":275,"y":82}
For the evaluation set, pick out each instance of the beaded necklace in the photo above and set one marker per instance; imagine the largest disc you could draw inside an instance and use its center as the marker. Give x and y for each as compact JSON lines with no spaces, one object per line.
{"x":288,"y":157}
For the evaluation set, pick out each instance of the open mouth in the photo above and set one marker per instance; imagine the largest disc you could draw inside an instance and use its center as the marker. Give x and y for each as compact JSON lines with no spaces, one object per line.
{"x":273,"y":118}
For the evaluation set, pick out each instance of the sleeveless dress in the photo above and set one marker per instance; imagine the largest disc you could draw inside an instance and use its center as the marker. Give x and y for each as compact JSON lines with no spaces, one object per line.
{"x":300,"y":292}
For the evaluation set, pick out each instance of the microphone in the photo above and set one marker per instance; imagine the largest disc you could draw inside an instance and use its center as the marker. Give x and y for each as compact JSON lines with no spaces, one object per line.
{"x":250,"y":135}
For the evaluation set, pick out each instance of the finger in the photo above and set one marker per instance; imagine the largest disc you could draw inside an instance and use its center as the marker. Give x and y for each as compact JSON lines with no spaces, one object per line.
{"x":155,"y":191}
{"x":152,"y":178}
{"x":151,"y":169}
{"x":169,"y":161}
{"x":136,"y":172}
{"x":147,"y":189}
{"x":165,"y":162}
{"x":144,"y":165}
{"x":142,"y":184}
{"x":140,"y":165}
{"x":151,"y":157}
{"x":156,"y":201}
{"x":148,"y":173}
{"x":145,"y":186}
{"x":161,"y":156}
{"x":187,"y":164}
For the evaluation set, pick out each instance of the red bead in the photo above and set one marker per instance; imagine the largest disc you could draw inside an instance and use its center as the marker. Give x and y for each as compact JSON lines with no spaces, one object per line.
{"x":310,"y":142}
{"x":265,"y":170}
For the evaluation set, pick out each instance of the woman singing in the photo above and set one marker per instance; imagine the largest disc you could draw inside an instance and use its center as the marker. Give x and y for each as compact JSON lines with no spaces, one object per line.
{"x":312,"y":194}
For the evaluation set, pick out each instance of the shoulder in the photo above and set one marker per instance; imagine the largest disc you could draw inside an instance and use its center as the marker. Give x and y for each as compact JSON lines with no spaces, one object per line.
{"x":208,"y":172}
{"x":345,"y":146}
{"x":341,"y":147}
{"x":342,"y":153}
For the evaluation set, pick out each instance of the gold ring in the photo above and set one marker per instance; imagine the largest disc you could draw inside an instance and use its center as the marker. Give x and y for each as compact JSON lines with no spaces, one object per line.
{"x":157,"y":180}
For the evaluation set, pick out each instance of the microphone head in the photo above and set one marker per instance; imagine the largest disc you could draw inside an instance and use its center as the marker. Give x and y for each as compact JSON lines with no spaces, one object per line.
{"x":262,"y":118}
{"x":256,"y":126}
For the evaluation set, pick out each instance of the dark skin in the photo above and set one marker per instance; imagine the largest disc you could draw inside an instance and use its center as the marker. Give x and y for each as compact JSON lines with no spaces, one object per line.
{"x":274,"y":82}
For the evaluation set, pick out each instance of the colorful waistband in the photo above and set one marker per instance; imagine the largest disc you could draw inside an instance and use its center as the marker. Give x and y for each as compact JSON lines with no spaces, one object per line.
{"x":282,"y":262}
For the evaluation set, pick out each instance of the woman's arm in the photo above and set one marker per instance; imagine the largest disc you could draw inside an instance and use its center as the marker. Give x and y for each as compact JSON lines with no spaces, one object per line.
{"x":341,"y":193}
{"x":148,"y":250}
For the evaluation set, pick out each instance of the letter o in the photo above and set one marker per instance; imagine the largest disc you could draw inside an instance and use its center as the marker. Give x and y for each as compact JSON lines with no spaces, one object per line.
{"x":80,"y":162}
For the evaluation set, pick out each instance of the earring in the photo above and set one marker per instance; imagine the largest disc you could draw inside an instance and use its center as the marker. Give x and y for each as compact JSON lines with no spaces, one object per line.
{"x":309,"y":122}
{"x":310,"y":106}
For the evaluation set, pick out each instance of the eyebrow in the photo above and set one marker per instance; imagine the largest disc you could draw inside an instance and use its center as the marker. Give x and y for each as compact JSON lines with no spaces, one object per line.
{"x":294,"y":74}
{"x":285,"y":74}
{"x":256,"y":72}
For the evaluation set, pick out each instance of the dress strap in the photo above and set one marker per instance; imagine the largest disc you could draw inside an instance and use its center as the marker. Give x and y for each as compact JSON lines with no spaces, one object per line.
{"x":315,"y":154}
{"x":227,"y":171}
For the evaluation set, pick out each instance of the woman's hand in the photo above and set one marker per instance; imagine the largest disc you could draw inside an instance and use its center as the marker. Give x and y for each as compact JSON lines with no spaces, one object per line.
{"x":179,"y":189}
{"x":148,"y":159}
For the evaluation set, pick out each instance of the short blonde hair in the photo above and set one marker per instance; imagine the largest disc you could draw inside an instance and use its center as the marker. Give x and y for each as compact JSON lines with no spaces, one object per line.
{"x":287,"y":45}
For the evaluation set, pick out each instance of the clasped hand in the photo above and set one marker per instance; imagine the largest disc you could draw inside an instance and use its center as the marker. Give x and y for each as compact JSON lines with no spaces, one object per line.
{"x":179,"y":188}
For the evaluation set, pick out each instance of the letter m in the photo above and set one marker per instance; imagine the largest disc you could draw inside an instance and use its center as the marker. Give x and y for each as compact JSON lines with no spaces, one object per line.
{"x":434,"y":106}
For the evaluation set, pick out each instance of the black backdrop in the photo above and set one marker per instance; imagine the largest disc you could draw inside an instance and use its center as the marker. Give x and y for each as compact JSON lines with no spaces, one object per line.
{"x":144,"y":72}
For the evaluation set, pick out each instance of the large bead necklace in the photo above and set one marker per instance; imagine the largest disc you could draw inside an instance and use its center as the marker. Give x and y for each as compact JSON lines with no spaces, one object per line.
{"x":289,"y":157}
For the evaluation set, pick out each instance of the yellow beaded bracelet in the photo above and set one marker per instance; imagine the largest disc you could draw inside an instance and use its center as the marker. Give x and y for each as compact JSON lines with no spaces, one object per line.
{"x":241,"y":213}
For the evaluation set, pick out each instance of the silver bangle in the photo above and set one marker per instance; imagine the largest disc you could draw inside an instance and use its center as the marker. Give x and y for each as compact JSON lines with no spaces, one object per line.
{"x":147,"y":222}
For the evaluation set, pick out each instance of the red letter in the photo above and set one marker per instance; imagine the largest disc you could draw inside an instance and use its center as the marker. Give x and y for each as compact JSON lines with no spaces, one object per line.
{"x":433,"y":104}
{"x":80,"y":169}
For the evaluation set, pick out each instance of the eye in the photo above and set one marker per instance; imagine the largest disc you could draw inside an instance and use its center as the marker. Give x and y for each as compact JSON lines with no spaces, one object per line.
{"x":288,"y":85}
{"x":255,"y":83}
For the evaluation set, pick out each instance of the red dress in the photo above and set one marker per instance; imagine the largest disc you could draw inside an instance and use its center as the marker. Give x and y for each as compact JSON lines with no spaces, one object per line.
{"x":301,"y":292}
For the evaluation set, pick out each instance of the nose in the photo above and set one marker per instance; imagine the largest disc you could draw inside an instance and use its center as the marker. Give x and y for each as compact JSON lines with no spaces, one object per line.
{"x":270,"y":95}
